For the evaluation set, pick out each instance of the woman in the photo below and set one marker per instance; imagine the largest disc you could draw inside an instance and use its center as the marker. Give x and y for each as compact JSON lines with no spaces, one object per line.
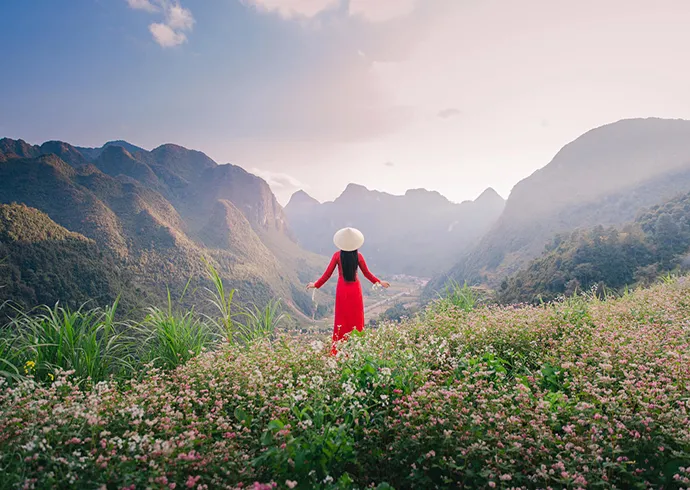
{"x":349,"y":304}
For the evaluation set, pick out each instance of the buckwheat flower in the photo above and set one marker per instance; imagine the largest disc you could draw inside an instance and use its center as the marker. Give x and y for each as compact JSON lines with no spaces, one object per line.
{"x":191,"y":481}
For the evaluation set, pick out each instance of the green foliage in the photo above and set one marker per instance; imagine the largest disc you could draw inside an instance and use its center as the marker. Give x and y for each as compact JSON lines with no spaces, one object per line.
{"x":43,"y":263}
{"x":173,"y":337}
{"x":9,"y":355}
{"x":456,"y":297}
{"x":221,"y":299}
{"x":260,"y":323}
{"x":485,"y":398}
{"x":608,"y":259}
{"x":89,"y":342}
{"x":396,"y":313}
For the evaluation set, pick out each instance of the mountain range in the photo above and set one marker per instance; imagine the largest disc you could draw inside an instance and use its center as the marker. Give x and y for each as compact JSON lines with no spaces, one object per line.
{"x":605,"y":177}
{"x":155,"y":214}
{"x":95,"y":223}
{"x":420,"y":233}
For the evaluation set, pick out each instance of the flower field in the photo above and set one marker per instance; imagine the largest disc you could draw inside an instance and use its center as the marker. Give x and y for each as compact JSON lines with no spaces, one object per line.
{"x":583,"y":393}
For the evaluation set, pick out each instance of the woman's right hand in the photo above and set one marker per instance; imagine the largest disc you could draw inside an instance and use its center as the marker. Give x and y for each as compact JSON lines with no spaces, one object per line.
{"x":311,"y":285}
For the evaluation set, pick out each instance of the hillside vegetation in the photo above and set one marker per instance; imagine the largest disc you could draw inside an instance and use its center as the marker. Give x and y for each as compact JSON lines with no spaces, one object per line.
{"x":154,"y":215}
{"x":43,"y":263}
{"x":605,"y":177}
{"x":657,"y":241}
{"x":582,"y":393}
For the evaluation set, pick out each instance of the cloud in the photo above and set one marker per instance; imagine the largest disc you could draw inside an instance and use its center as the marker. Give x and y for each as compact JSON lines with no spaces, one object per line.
{"x":389,"y":164}
{"x":293,"y":8}
{"x":142,"y":5}
{"x":369,"y":10}
{"x":448,"y":113}
{"x":177,"y":20}
{"x":164,"y":35}
{"x":278,"y":180}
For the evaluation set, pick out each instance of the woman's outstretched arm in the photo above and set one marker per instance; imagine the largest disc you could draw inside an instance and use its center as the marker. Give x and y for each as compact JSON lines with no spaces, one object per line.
{"x":329,"y":271}
{"x":367,"y":273}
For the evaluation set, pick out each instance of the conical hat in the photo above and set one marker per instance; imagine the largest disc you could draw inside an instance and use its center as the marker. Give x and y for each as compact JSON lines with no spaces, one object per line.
{"x":348,"y":239}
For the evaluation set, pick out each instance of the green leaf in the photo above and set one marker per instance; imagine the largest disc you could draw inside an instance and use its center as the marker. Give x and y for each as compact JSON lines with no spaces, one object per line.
{"x":267,"y":438}
{"x":241,"y":415}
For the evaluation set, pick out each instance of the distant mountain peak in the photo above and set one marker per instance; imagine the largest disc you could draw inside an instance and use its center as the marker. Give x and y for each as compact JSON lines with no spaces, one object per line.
{"x":124,"y":144}
{"x":115,"y":151}
{"x":355,"y":192}
{"x":171,"y":146}
{"x":302,"y":198}
{"x":355,"y":188}
{"x":489,"y":194}
{"x":10,"y":148}
{"x":425,"y":195}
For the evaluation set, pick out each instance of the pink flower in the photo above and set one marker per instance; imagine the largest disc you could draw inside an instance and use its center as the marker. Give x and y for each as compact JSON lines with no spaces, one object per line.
{"x":191,"y":481}
{"x":492,"y":484}
{"x":291,"y":483}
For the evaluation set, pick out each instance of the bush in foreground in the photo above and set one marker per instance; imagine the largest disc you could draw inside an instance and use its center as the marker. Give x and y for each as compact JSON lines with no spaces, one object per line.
{"x":580,"y":394}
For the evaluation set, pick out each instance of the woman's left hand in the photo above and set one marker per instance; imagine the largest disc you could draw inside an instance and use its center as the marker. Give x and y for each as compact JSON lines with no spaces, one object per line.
{"x":311,"y":285}
{"x":385,"y":284}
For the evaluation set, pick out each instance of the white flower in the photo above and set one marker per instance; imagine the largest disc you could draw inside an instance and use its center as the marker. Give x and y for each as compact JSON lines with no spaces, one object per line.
{"x":348,"y":388}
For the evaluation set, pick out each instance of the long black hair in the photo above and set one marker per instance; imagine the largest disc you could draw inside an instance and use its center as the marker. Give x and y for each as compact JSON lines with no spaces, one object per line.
{"x":349,"y":262}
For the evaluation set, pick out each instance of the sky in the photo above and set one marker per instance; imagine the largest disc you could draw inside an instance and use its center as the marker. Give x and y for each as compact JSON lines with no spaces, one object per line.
{"x":449,"y":95}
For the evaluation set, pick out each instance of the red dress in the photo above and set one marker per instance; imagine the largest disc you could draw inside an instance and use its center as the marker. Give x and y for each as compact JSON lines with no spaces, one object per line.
{"x":349,"y":304}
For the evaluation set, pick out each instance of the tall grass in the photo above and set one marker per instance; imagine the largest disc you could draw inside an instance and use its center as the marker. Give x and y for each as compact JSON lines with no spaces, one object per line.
{"x":222,"y":301}
{"x":171,"y":337}
{"x":96,"y":347}
{"x":8,"y":356}
{"x":456,"y":297}
{"x":261,"y":323}
{"x":89,"y":342}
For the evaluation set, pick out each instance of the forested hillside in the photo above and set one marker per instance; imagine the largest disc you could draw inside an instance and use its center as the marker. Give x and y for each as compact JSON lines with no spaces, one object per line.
{"x":149,"y":219}
{"x":657,"y":241}
{"x":42,"y":263}
{"x":604,"y":177}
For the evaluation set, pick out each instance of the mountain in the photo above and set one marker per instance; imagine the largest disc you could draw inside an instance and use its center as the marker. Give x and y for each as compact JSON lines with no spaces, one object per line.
{"x":157,"y":214}
{"x":420,"y":233}
{"x":93,"y":153}
{"x":658,"y":240}
{"x":43,"y":263}
{"x":604,"y":177}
